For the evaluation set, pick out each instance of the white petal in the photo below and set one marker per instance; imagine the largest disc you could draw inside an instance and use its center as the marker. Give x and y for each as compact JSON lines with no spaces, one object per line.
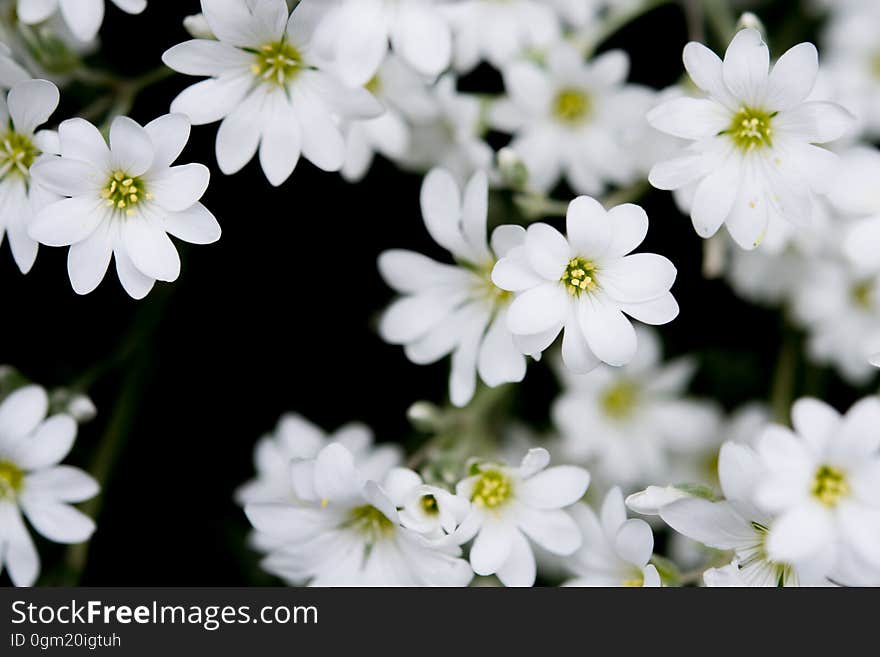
{"x":656,"y":312}
{"x":239,"y":134}
{"x":500,"y":361}
{"x":800,"y":534}
{"x":84,"y":17}
{"x":31,"y":103}
{"x":746,"y":67}
{"x":553,"y":530}
{"x":88,"y":260}
{"x":638,"y":278}
{"x":690,"y":118}
{"x":792,"y":77}
{"x":68,"y":221}
{"x":135,"y":283}
{"x":634,"y":542}
{"x":705,"y":69}
{"x":196,"y":225}
{"x":211,"y":100}
{"x":714,"y":524}
{"x":514,"y":273}
{"x":492,"y":546}
{"x":57,"y":521}
{"x":422,"y":37}
{"x":538,"y":309}
{"x":205,"y":57}
{"x":178,"y":188}
{"x":131,"y":148}
{"x":609,"y":333}
{"x":20,"y":555}
{"x":576,"y":353}
{"x":588,"y":227}
{"x":547,"y":251}
{"x":519,"y":568}
{"x":554,"y":488}
{"x":80,"y":140}
{"x":714,"y":199}
{"x":22,"y":411}
{"x":62,"y":483}
{"x":629,"y":227}
{"x":49,"y":444}
{"x":150,"y":249}
{"x":281,"y":140}
{"x":169,"y":134}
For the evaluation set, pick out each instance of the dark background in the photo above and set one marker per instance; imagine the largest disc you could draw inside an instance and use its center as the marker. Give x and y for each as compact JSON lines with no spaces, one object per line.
{"x":258,"y":325}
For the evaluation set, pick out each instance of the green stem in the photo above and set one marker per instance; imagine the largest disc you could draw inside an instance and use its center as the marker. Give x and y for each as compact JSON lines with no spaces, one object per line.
{"x":782,"y":392}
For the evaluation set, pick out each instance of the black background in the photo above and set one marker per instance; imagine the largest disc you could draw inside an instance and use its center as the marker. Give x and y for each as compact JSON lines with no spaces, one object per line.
{"x":260,"y":323}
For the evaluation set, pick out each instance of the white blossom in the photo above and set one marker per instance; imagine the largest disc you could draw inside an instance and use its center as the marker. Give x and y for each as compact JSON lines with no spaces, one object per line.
{"x":615,"y":551}
{"x":455,"y":309}
{"x":510,"y":505}
{"x":267,"y":87}
{"x":30,"y":104}
{"x":345,"y":531}
{"x":123,"y":201}
{"x":584,"y":283}
{"x":753,"y":153}
{"x":33,"y":484}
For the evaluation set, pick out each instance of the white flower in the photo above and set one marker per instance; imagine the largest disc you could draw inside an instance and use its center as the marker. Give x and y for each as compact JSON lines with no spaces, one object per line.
{"x":736,"y":524}
{"x":853,"y":62}
{"x":615,"y":550}
{"x":267,"y":88}
{"x":632,"y":424}
{"x":428,"y":510}
{"x":585,"y":283}
{"x":295,"y":438}
{"x":405,"y":96}
{"x":455,"y":308}
{"x":510,"y":505}
{"x":11,"y":72}
{"x":84,"y":17}
{"x":753,"y":154}
{"x":451,"y":135}
{"x":29,"y":105}
{"x":499,"y":31}
{"x":32,"y":482}
{"x":123,"y":201}
{"x":840,"y":309}
{"x":570,"y":120}
{"x":347,"y":532}
{"x":857,"y":195}
{"x":356,"y":34}
{"x":823,"y":481}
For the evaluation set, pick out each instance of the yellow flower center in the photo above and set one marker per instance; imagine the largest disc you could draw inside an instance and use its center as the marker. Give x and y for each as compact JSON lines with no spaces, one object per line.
{"x":370,"y":521}
{"x":374,"y":86}
{"x":492,"y":489}
{"x":429,"y":505}
{"x":829,"y":485}
{"x":619,"y":399}
{"x":875,"y":64}
{"x":863,"y":294}
{"x":580,"y":276}
{"x":751,"y":129}
{"x":572,"y":106}
{"x":11,"y":480}
{"x":637,"y":581}
{"x":124,"y":192}
{"x":17,"y":154}
{"x":277,"y":63}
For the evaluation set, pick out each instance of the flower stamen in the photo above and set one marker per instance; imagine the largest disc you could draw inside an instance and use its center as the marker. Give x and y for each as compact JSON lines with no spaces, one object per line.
{"x":580,"y":276}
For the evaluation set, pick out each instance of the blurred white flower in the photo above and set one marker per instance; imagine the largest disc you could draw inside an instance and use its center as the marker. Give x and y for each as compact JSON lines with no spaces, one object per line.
{"x":510,"y":505}
{"x":407,"y":99}
{"x":84,"y":17}
{"x":823,"y":481}
{"x":295,"y":438}
{"x":571,"y":118}
{"x":615,"y":551}
{"x":345,"y":531}
{"x":852,"y":60}
{"x":123,"y":201}
{"x":584,"y":284}
{"x":267,"y":88}
{"x":30,"y":104}
{"x":498,"y":32}
{"x":428,"y":510}
{"x":857,"y":195}
{"x":753,"y":152}
{"x":32,"y":483}
{"x":840,"y":309}
{"x":355,"y":34}
{"x":633,"y":424}
{"x":455,"y":309}
{"x":450,"y":137}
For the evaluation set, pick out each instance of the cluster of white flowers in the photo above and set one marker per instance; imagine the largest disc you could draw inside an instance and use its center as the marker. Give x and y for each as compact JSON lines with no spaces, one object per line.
{"x":799,"y":508}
